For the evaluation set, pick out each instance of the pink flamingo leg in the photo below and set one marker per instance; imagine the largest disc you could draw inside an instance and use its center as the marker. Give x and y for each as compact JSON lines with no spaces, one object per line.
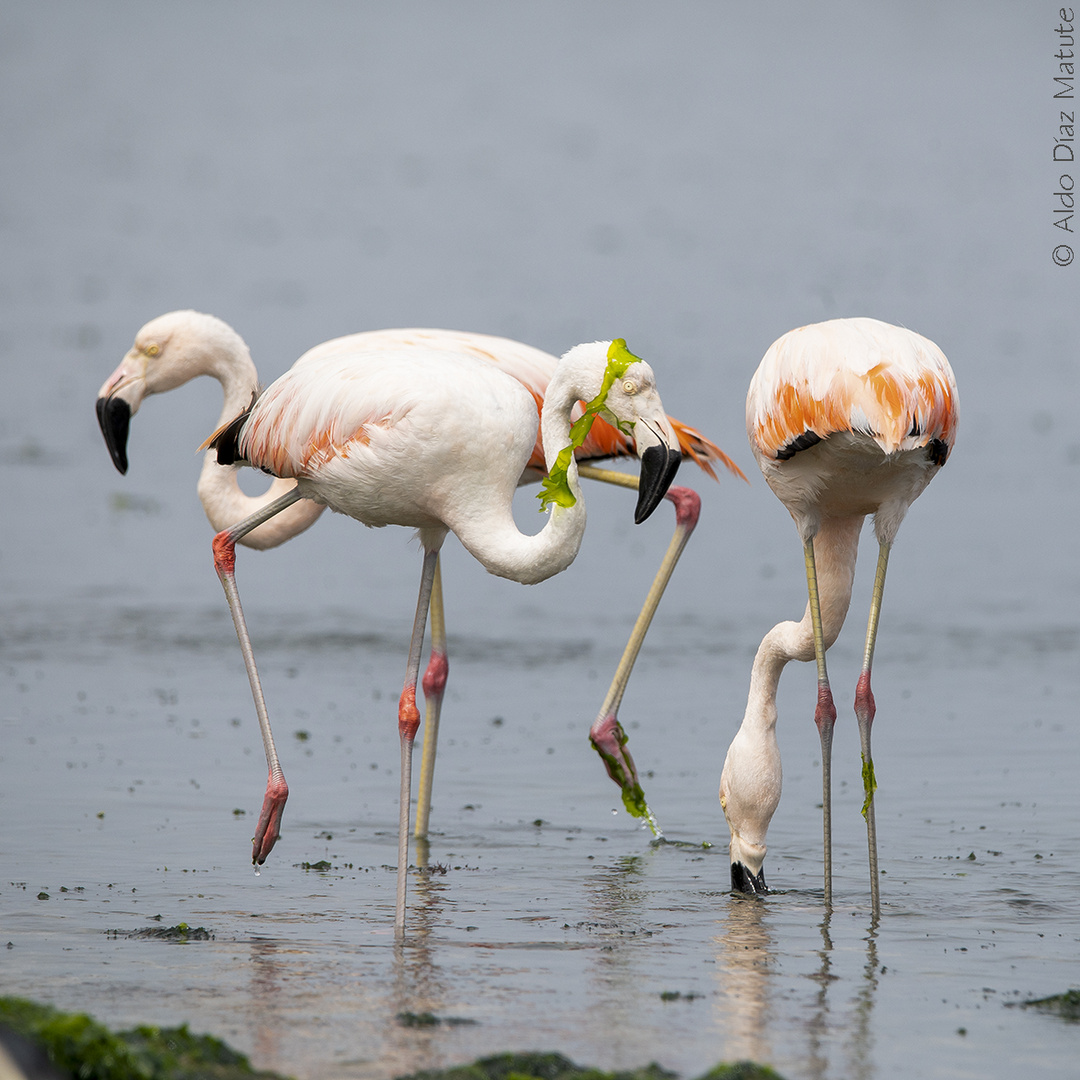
{"x":865,"y":710}
{"x":824,"y":715}
{"x":434,"y":689}
{"x":268,"y":828}
{"x":607,"y":735}
{"x":409,"y":722}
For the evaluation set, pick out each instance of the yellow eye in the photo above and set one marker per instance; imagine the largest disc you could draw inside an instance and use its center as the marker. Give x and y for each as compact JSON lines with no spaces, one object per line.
{"x":152,"y":349}
{"x":629,"y":386}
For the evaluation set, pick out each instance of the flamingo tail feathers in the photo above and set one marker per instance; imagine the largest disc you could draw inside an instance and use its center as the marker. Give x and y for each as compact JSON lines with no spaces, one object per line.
{"x":227,"y":437}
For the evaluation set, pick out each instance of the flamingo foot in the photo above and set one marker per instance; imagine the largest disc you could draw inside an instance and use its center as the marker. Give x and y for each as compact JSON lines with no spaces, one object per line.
{"x":609,"y":740}
{"x":268,"y":831}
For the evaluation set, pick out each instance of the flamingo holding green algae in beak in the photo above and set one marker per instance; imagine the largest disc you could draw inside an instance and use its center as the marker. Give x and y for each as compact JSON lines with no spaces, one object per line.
{"x":438,"y":443}
{"x":176,"y":347}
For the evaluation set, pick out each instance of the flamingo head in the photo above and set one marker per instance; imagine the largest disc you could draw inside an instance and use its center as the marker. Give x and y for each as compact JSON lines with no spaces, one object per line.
{"x":622,"y":389}
{"x":168,"y":352}
{"x":749,"y":794}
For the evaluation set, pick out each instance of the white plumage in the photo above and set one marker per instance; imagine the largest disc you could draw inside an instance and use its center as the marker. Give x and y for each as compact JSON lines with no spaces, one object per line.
{"x":846,"y":418}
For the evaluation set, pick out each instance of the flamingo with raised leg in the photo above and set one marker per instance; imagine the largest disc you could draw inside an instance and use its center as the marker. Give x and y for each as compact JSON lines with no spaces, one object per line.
{"x":846,"y":418}
{"x":176,"y":347}
{"x":436,"y":443}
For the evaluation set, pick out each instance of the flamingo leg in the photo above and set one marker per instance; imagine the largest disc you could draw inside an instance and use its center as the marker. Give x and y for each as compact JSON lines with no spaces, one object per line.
{"x":408,"y":723}
{"x":864,"y":713}
{"x":607,"y":735}
{"x":824,"y":714}
{"x":434,"y":685}
{"x":268,"y":828}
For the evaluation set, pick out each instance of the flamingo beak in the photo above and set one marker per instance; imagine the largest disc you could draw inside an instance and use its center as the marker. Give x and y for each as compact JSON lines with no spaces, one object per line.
{"x":659,"y":463}
{"x":118,"y":400}
{"x":742,"y":880}
{"x":114,"y":419}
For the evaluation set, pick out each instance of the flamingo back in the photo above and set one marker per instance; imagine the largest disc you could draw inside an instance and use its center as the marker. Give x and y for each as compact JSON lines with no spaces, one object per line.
{"x":533,"y":368}
{"x":857,"y":375}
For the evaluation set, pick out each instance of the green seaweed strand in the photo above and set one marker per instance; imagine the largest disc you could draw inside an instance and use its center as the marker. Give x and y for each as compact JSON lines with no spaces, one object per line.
{"x":632,"y":795}
{"x":869,"y":784}
{"x":555,"y":487}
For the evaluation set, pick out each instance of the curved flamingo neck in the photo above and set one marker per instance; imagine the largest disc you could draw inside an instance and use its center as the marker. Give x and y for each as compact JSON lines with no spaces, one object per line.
{"x":836,"y":547}
{"x":220,"y":352}
{"x":491,"y":534}
{"x":752,"y":776}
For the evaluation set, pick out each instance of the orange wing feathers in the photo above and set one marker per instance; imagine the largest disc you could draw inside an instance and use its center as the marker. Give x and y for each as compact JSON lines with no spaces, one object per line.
{"x":531,"y":367}
{"x":817,"y":379}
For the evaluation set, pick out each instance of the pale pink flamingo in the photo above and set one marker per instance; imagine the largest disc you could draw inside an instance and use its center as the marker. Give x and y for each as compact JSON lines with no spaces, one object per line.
{"x":845,"y":418}
{"x":436,"y":442}
{"x":174,"y":348}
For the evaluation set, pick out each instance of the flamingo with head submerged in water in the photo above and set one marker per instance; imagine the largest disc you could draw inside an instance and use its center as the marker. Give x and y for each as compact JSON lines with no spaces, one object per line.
{"x":846,"y":418}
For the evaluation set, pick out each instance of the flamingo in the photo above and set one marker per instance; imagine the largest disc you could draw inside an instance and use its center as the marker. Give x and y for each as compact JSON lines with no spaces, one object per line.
{"x":845,"y":418}
{"x":437,"y":443}
{"x":172,"y":349}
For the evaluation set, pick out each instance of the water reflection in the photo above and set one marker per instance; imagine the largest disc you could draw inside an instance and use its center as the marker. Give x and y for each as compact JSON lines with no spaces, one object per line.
{"x":265,"y":987}
{"x":749,"y":971}
{"x":418,"y":997}
{"x":745,"y":956}
{"x":818,"y":1026}
{"x":617,"y":903}
{"x":862,"y":1044}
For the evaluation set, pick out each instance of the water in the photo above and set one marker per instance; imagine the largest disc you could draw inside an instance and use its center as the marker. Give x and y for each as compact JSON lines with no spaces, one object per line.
{"x":698,"y":180}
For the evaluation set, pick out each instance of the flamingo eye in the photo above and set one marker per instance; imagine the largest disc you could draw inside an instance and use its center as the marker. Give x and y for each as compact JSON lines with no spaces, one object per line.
{"x":629,"y":386}
{"x":152,"y":349}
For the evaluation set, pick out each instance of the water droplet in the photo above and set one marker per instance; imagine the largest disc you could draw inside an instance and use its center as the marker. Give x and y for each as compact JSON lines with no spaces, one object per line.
{"x":614,"y":813}
{"x":258,"y":872}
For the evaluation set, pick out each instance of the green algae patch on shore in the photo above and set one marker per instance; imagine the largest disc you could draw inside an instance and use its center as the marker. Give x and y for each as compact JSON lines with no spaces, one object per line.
{"x":540,"y":1066}
{"x":1066,"y":1005}
{"x":428,"y":1019}
{"x":181,"y":932}
{"x":87,"y":1050}
{"x":741,"y":1070}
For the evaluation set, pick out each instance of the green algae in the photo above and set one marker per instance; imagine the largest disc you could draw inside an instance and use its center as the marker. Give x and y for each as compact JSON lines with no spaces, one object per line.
{"x":429,"y":1019}
{"x":1066,"y":1005}
{"x":555,"y":487}
{"x":633,"y":796}
{"x":180,"y":932}
{"x":869,"y":781}
{"x":694,"y":845}
{"x":87,"y":1050}
{"x":551,"y":1066}
{"x":535,"y":1066}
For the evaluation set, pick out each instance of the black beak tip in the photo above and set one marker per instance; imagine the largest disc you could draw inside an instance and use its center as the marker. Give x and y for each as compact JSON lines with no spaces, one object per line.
{"x":659,"y":464}
{"x":114,"y":419}
{"x":742,"y":881}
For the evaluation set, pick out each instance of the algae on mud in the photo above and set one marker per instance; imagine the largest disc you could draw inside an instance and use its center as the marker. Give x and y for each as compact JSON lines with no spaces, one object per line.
{"x":80,"y":1047}
{"x":1066,"y":1005}
{"x":551,"y":1066}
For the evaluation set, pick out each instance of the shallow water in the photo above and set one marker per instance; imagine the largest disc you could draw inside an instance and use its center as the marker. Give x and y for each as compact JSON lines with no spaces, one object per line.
{"x":548,"y":919}
{"x":697,"y":180}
